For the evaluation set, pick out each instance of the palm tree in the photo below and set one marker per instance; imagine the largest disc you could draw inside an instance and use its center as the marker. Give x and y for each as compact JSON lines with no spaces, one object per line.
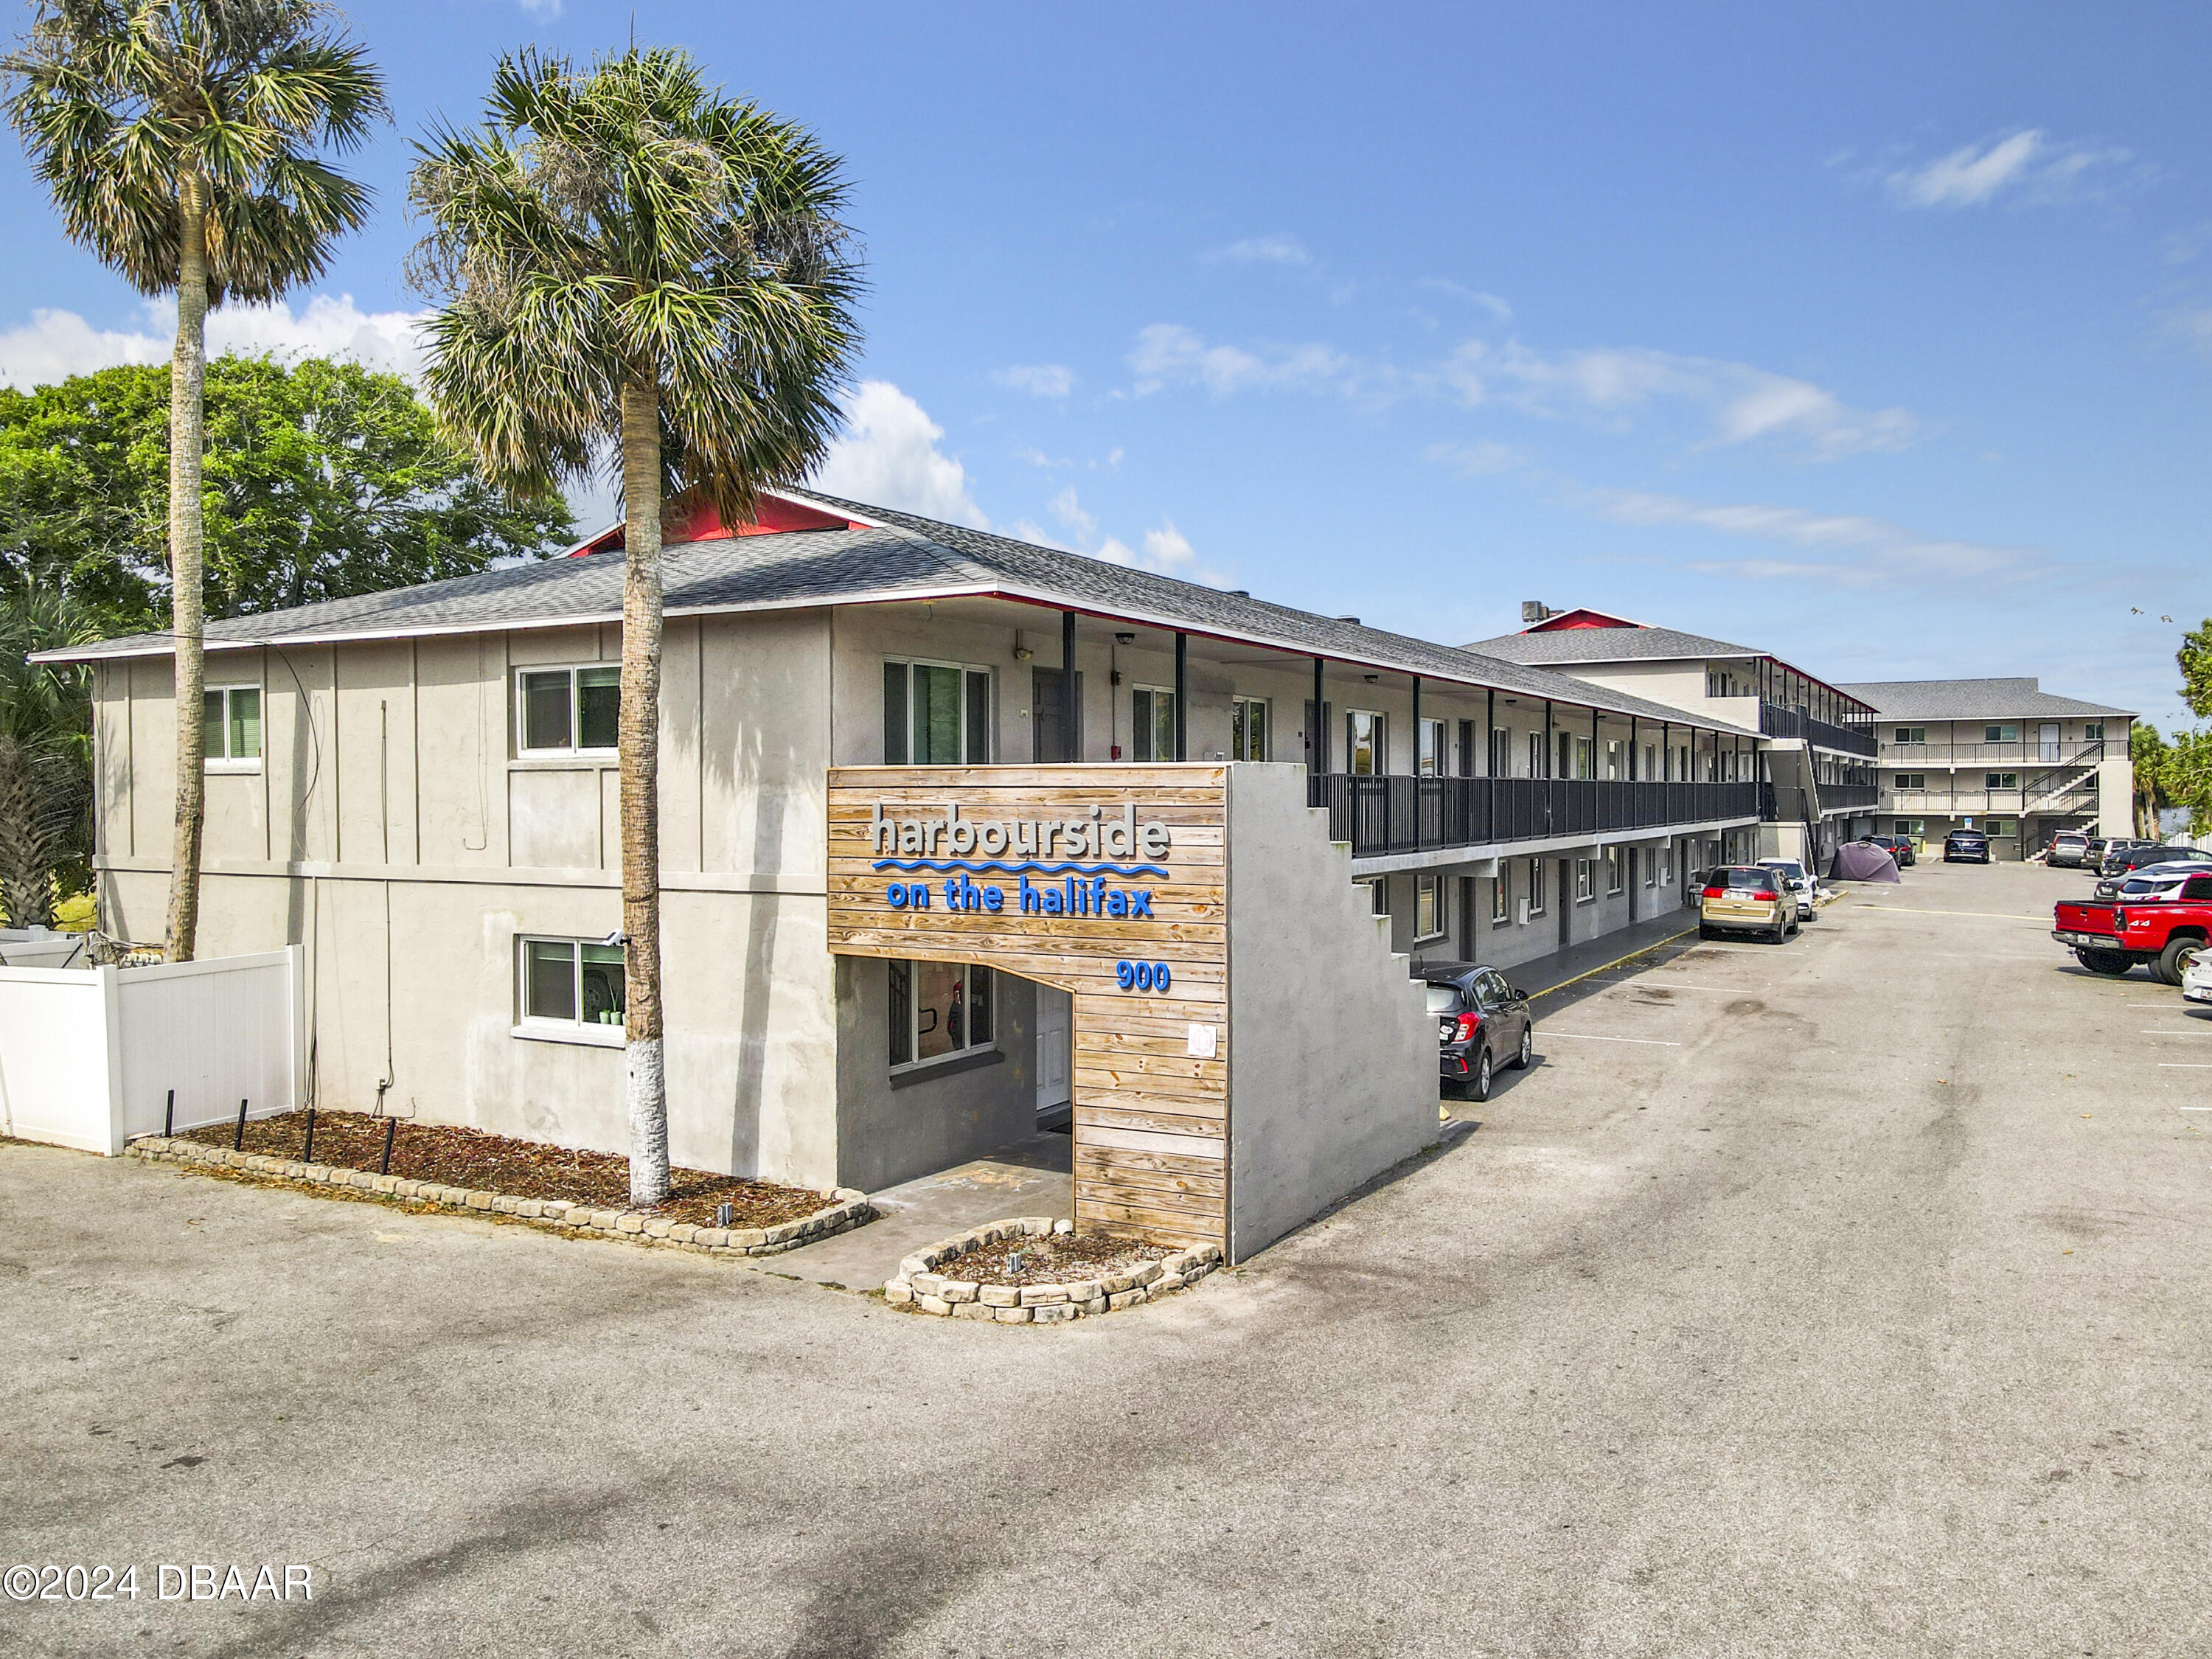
{"x":629,"y":259}
{"x":178,"y":138}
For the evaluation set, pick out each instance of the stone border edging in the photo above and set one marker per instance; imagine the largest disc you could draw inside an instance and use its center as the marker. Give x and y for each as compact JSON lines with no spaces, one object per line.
{"x":920,"y":1287}
{"x":851,"y":1210}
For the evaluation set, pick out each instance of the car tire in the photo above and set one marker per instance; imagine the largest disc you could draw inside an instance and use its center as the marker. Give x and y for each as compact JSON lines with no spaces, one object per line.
{"x":2173,"y":961}
{"x":2112,"y":964}
{"x":1703,"y":931}
{"x":1478,"y":1088}
{"x":1780,"y":935}
{"x":1526,"y":1057}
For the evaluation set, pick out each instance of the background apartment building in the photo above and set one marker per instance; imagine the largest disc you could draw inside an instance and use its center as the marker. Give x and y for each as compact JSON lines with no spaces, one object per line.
{"x":2000,"y":756}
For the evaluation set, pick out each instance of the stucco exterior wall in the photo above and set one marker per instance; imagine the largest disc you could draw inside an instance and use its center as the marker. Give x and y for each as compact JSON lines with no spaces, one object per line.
{"x":1338,"y":1082}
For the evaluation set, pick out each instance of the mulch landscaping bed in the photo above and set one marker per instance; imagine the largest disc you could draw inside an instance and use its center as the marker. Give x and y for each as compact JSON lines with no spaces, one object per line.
{"x":1060,"y":1259}
{"x":518,"y":1169}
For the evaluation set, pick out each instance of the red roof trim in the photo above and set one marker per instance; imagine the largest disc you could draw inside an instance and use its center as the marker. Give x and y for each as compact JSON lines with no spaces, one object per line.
{"x":1581,"y":617}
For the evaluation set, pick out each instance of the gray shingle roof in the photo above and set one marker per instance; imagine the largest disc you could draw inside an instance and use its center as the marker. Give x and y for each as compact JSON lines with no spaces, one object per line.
{"x":902,"y":556}
{"x":1966,"y":699}
{"x":1608,"y":645}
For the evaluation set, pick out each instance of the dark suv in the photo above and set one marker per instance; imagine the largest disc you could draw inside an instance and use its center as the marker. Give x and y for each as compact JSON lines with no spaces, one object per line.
{"x":1965,"y":847}
{"x":1900,"y":848}
{"x":1482,"y":1023}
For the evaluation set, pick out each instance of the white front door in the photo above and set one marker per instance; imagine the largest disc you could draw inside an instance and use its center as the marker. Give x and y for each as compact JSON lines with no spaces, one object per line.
{"x":1056,"y":1047}
{"x":2048,"y":736}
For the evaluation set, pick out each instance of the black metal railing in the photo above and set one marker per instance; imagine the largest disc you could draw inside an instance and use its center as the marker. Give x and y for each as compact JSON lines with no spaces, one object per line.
{"x":1776,"y":721}
{"x":1834,"y":796}
{"x":1386,"y":815}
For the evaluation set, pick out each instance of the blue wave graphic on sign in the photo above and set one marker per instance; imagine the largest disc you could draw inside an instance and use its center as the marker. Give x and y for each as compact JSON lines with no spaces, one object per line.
{"x":1017,"y":869}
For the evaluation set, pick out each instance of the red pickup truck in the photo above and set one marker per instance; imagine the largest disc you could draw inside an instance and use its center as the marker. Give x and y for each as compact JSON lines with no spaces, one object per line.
{"x":2164,"y":934}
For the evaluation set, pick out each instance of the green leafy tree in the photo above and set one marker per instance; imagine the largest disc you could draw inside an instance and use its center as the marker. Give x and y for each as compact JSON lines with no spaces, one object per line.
{"x":2189,"y":767}
{"x":2195,"y":661}
{"x":323,"y":479}
{"x":180,"y":140}
{"x":631,"y":260}
{"x":45,"y":756}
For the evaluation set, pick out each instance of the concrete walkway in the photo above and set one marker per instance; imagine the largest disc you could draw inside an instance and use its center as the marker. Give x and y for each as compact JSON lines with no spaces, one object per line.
{"x":1031,"y":1178}
{"x":1549,"y":973}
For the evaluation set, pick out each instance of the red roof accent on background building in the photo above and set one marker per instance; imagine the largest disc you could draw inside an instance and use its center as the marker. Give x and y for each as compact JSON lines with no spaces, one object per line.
{"x":703,"y":524}
{"x":1581,"y":618}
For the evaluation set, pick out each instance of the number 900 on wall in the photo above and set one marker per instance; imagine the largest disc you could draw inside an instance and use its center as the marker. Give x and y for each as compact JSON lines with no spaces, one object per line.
{"x":1141,"y":975}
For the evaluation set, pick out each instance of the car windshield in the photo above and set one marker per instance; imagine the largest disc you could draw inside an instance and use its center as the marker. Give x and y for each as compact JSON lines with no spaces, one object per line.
{"x":1792,"y":871}
{"x":1444,"y":999}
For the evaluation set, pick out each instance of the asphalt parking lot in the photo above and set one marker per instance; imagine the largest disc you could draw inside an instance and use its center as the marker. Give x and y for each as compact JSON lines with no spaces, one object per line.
{"x":1846,"y":1297}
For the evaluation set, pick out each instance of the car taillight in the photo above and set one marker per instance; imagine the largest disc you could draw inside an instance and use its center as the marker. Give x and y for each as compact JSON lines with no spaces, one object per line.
{"x":1468,"y":1024}
{"x":2119,"y":919}
{"x":1764,"y":893}
{"x":1716,"y":892}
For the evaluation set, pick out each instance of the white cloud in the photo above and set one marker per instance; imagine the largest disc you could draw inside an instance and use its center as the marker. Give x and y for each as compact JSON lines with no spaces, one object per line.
{"x":55,"y":344}
{"x":1490,"y":302}
{"x":1742,"y":404}
{"x":1038,"y":380}
{"x":1476,"y":459}
{"x":1276,"y":250}
{"x":888,"y":455}
{"x":543,"y":10}
{"x":1166,"y":551}
{"x":2028,"y":166}
{"x":1851,"y":550}
{"x":1168,"y":354}
{"x":1069,"y":511}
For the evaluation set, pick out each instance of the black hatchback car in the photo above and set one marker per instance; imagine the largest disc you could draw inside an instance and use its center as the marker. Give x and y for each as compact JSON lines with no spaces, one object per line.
{"x":1482,"y":1023}
{"x":1965,"y":847}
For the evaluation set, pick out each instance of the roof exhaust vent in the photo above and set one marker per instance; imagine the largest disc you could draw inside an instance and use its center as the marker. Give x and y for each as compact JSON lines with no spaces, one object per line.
{"x":1354,"y":621}
{"x":1536,"y":611}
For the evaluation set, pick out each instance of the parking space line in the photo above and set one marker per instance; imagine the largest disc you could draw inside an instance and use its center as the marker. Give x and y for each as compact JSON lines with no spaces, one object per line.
{"x":1986,"y":915}
{"x":2174,"y":1034}
{"x":1591,"y":1037}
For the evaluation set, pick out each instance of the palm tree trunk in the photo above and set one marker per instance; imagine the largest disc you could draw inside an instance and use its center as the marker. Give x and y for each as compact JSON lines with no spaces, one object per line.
{"x":187,"y":392}
{"x":639,"y":736}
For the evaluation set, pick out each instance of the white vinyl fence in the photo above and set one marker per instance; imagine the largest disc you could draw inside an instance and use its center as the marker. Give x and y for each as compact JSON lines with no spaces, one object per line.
{"x":88,"y":1056}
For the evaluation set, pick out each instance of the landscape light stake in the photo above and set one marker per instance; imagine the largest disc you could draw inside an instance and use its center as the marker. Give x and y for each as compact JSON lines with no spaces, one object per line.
{"x":169,"y":1116}
{"x":238,"y":1140}
{"x":308,"y":1146}
{"x":390,"y":1125}
{"x":722,"y":1215}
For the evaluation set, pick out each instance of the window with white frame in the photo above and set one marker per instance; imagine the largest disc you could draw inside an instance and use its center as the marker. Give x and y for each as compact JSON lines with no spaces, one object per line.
{"x":1616,"y":873}
{"x":571,"y":986}
{"x":230,"y":727}
{"x":1535,"y":887}
{"x":2093,"y":730}
{"x":1428,"y":907}
{"x":940,"y":1011}
{"x":936,"y":714}
{"x":1435,"y":751}
{"x":1378,"y":895}
{"x":1616,"y":758}
{"x":574,"y":710}
{"x":1248,"y":729}
{"x":1914,"y":828}
{"x":1667,"y":864}
{"x":2001,"y":734}
{"x":1535,"y":754}
{"x":1912,"y":781}
{"x":1650,"y":867}
{"x":1501,"y":893}
{"x":1585,"y":880}
{"x":1501,"y":751}
{"x":1910,"y":734}
{"x":1364,"y":756}
{"x":1151,"y":723}
{"x":2001,"y":780}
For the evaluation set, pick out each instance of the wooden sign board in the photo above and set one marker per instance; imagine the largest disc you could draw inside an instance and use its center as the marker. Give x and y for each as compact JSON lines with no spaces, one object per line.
{"x":1109,"y":882}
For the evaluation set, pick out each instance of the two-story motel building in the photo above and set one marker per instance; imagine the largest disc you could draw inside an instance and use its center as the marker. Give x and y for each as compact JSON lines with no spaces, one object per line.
{"x":419,"y":786}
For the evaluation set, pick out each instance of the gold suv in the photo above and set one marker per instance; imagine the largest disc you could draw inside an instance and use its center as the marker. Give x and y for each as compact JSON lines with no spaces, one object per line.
{"x":1746,"y":898}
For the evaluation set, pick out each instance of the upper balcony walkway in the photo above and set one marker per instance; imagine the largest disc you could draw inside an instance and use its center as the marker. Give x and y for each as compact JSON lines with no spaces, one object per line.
{"x":1777,"y":721}
{"x":1389,"y":816}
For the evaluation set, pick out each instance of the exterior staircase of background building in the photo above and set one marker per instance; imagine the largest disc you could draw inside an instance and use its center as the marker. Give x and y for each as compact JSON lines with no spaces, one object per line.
{"x":2068,"y":787}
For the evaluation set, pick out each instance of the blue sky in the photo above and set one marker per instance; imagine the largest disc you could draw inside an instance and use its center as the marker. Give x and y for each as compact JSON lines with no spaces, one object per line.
{"x":1881,"y":339}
